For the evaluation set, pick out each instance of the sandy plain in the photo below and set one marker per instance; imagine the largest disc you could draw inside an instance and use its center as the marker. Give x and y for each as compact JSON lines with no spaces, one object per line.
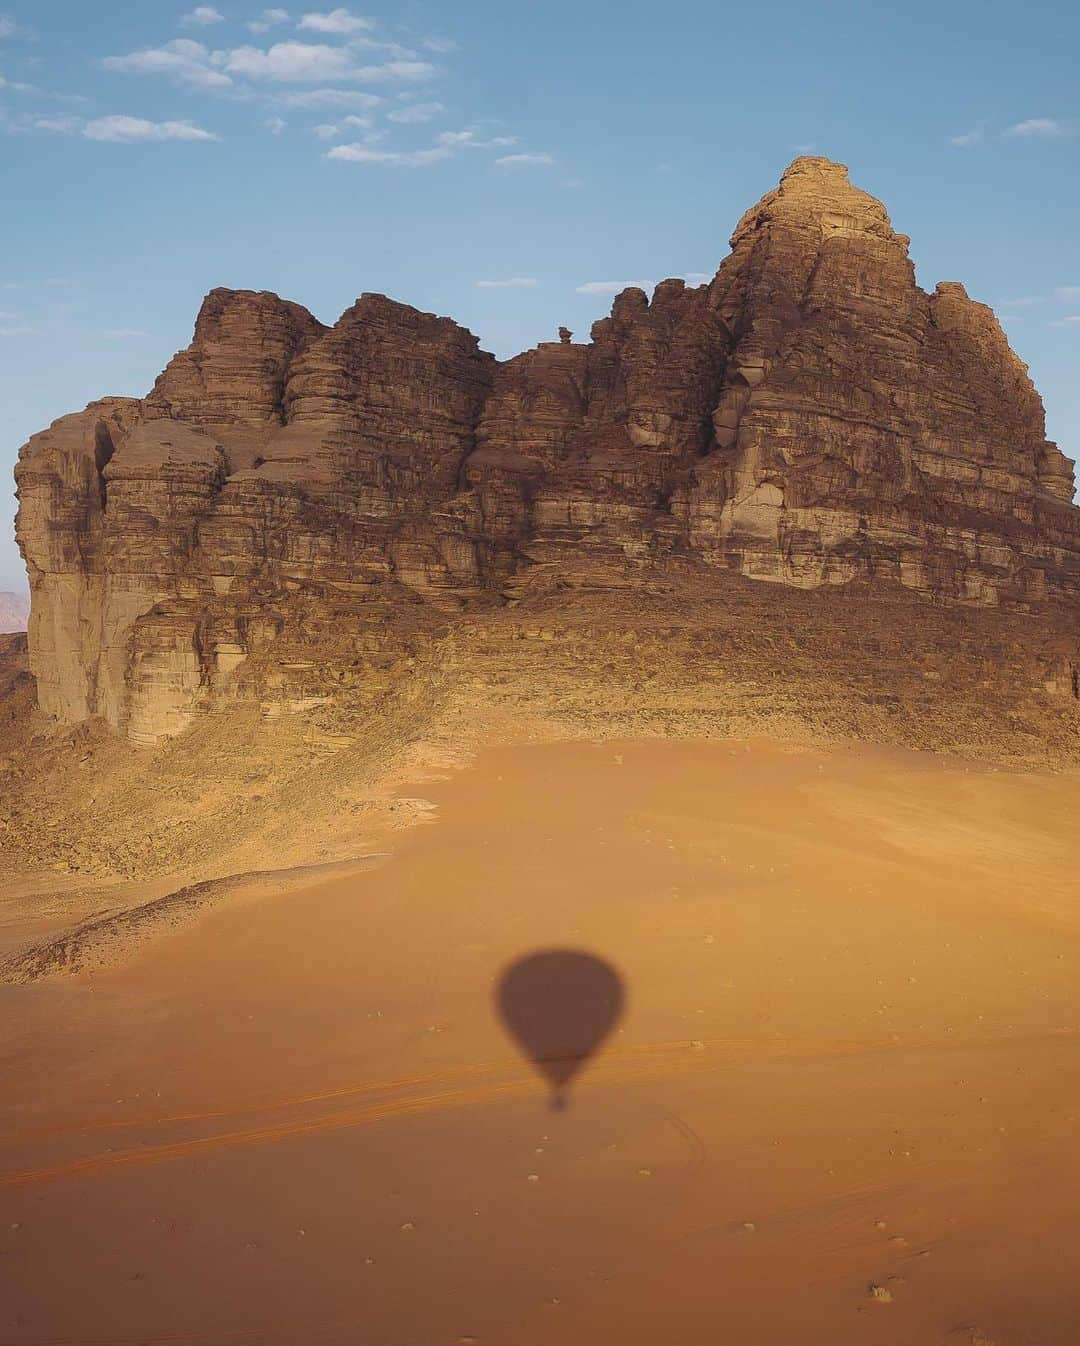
{"x":843,"y":1105}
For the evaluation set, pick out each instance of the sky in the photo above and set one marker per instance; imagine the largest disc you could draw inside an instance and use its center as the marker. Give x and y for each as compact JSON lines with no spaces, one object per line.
{"x":507,"y":164}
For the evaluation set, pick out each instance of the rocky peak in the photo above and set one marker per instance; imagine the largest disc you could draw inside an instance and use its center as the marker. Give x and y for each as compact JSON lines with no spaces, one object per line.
{"x":235,"y":369}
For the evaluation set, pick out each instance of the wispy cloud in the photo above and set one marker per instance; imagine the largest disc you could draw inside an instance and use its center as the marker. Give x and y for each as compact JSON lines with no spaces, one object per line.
{"x":365,"y":154}
{"x":7,"y":27}
{"x":614,"y":286}
{"x":441,"y":45}
{"x":966,"y":139}
{"x":17,"y":331}
{"x":182,"y":60}
{"x":123,"y":333}
{"x":269,"y":18}
{"x":186,"y":61}
{"x":128,"y":129}
{"x":470,"y":140}
{"x":447,"y":145}
{"x":1065,"y":294}
{"x":64,"y":126}
{"x":275,"y":125}
{"x":617,"y":286}
{"x":36,"y":91}
{"x":340,"y":21}
{"x":510,"y":161}
{"x":511,"y":283}
{"x":414,"y":113}
{"x":331,"y":98}
{"x":314,"y":62}
{"x":1067,"y":321}
{"x":1025,"y":301}
{"x":1047,"y":127}
{"x":202,"y":16}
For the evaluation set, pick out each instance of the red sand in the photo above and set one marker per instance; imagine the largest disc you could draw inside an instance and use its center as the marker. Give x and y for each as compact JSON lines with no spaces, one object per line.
{"x":849,"y":1061}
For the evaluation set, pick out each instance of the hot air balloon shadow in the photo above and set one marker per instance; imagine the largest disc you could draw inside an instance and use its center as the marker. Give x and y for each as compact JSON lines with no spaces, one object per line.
{"x":559,"y":1005}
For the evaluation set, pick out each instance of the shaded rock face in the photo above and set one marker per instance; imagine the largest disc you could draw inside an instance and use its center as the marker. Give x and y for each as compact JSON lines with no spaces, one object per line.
{"x":294,"y":505}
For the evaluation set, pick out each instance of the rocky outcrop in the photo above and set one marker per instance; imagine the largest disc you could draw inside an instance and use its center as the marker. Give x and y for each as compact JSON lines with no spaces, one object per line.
{"x":295,"y":508}
{"x":14,"y":612}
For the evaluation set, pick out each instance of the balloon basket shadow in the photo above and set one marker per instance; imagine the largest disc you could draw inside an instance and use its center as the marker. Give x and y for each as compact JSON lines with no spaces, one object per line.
{"x":558,"y":1102}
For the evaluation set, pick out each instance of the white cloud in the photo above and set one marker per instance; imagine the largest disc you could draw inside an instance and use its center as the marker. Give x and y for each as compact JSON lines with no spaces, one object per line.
{"x":1025,"y":301}
{"x":468,"y":140}
{"x":966,"y":139}
{"x":123,"y":333}
{"x":127,"y":129}
{"x":183,"y":60}
{"x":7,"y":27}
{"x":331,"y":98}
{"x":202,"y":16}
{"x":447,"y":145}
{"x":1066,"y":322}
{"x":311,"y":62}
{"x":525,"y":161}
{"x":17,"y":86}
{"x":409,"y":72}
{"x":1038,"y":126}
{"x":289,"y":61}
{"x":1065,"y":294}
{"x":339,"y":21}
{"x":364,"y":154}
{"x":269,"y":18}
{"x":441,"y":45}
{"x":614,"y":286}
{"x":511,"y":283}
{"x":617,"y":286}
{"x":275,"y":125}
{"x":64,"y":126}
{"x":16,"y":331}
{"x":326,"y":131}
{"x":5,"y":316}
{"x":414,"y":113}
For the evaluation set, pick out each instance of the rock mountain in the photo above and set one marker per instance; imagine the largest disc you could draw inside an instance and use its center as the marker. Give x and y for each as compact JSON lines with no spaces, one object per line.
{"x":294,"y":507}
{"x":14,"y":611}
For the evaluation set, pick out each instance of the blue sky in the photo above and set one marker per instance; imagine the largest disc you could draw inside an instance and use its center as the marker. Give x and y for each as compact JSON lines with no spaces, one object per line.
{"x":151,"y":151}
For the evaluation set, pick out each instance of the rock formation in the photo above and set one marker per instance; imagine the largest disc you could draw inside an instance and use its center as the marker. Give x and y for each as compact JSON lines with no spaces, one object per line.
{"x":14,"y":612}
{"x":294,"y":507}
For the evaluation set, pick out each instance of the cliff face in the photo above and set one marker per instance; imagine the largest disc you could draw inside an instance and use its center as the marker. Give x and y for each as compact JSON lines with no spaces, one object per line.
{"x":293,"y":506}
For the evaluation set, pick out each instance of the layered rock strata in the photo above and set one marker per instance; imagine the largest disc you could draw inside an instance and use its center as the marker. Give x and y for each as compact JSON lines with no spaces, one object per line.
{"x":295,"y":508}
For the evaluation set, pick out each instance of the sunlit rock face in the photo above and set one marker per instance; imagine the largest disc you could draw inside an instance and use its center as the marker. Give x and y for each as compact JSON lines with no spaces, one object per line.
{"x":293,"y":504}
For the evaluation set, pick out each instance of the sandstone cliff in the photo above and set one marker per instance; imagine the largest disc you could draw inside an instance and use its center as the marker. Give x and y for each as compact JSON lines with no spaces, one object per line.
{"x":294,"y":510}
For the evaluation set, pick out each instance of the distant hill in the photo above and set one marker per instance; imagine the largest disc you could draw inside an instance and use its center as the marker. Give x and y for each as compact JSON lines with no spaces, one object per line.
{"x":14,"y":611}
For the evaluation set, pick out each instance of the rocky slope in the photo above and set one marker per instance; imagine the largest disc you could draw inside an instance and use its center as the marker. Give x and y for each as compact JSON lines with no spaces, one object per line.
{"x":297,"y":514}
{"x":14,"y":612}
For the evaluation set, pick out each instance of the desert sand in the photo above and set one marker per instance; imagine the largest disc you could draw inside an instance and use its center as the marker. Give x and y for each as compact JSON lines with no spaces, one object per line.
{"x":842,"y":1107}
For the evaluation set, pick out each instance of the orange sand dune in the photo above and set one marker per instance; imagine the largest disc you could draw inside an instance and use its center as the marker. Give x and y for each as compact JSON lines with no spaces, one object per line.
{"x":843,"y":1105}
